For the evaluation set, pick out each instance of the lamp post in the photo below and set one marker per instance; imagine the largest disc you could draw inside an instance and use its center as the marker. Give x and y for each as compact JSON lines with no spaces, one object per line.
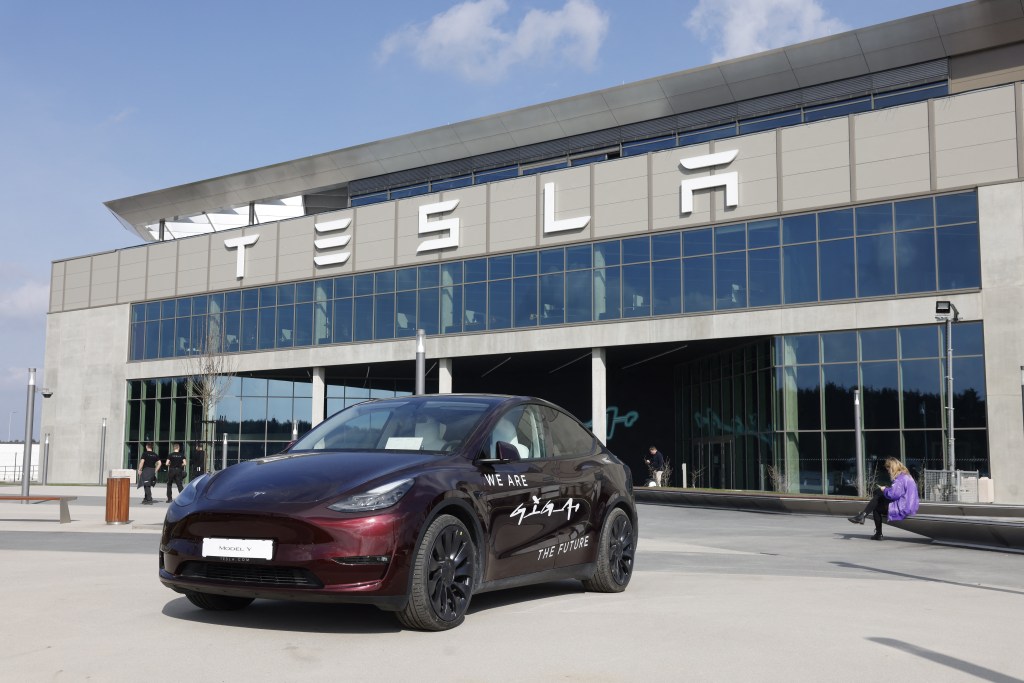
{"x":946,"y":312}
{"x":30,"y":405}
{"x":10,"y":416}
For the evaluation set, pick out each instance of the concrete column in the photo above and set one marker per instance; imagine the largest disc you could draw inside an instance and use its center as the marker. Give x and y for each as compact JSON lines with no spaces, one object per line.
{"x":599,"y":394}
{"x":444,"y":375}
{"x":319,"y":395}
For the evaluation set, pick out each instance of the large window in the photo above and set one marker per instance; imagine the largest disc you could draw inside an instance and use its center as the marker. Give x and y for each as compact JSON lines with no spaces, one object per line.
{"x":916,"y":246}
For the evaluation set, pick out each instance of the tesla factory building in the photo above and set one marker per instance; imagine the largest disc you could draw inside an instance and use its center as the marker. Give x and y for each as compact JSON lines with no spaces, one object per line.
{"x":718,"y":261}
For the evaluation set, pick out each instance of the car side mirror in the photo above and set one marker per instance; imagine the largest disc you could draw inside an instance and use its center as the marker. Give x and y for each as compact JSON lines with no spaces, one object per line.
{"x":503,"y":452}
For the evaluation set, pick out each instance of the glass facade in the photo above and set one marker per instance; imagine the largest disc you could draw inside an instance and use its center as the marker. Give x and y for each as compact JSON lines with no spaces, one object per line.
{"x":916,"y":246}
{"x":779,"y":415}
{"x":256,"y":413}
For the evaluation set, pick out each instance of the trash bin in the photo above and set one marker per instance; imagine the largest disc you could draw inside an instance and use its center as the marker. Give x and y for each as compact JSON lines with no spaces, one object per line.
{"x":118,"y":495}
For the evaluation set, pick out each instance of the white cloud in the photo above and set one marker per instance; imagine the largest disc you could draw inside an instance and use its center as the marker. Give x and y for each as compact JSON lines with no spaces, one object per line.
{"x":27,"y":299}
{"x":469,"y":40}
{"x":742,"y":27}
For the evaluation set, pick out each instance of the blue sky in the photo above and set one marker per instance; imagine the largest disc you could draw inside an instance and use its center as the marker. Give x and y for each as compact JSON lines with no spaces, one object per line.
{"x":112,"y":98}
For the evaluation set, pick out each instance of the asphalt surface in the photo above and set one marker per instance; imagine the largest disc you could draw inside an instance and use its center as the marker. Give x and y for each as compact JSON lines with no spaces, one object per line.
{"x":717,"y":595}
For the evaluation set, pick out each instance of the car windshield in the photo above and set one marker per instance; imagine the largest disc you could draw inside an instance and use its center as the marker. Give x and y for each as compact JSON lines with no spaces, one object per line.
{"x":414,"y":424}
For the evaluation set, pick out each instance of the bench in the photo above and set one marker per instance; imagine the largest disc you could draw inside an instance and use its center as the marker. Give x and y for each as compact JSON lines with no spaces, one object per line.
{"x":65,"y":513}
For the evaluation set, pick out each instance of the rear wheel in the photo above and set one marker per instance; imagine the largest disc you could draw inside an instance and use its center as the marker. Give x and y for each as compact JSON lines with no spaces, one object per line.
{"x":443,"y":573}
{"x":615,"y":557}
{"x":217,"y":603}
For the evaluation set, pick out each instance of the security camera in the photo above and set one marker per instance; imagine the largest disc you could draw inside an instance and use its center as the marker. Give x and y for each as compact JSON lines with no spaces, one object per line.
{"x":47,"y":393}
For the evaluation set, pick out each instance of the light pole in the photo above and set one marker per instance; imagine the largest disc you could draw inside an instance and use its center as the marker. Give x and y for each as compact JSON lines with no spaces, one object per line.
{"x":30,"y":405}
{"x":11,"y":416}
{"x":946,"y":312}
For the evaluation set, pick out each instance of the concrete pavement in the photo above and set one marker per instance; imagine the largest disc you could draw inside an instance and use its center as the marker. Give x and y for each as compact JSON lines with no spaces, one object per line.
{"x":717,"y":595}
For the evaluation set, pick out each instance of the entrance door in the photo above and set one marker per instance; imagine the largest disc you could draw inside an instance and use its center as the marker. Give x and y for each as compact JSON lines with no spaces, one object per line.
{"x":715,"y":463}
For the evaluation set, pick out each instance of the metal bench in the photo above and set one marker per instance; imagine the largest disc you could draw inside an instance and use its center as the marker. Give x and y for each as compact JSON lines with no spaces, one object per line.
{"x":65,"y":513}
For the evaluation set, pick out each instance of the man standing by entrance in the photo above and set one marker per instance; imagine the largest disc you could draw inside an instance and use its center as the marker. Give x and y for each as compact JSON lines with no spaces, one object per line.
{"x":175,"y":469}
{"x":656,"y":463}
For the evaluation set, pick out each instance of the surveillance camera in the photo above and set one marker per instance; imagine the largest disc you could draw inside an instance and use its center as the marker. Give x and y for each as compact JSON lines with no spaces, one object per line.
{"x":47,"y":393}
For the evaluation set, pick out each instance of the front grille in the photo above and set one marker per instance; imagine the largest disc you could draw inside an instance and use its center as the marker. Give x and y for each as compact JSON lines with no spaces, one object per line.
{"x":251,"y":574}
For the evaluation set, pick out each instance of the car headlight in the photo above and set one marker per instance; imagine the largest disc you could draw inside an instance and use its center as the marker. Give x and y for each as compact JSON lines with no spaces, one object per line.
{"x":375,"y":499}
{"x":190,"y":492}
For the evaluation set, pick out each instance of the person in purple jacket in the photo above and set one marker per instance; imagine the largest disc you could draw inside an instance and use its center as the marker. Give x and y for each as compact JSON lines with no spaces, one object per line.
{"x":896,"y":502}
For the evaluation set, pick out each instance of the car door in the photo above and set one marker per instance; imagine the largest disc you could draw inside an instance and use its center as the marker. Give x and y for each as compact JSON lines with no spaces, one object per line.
{"x":519,"y":498}
{"x":577,"y":463}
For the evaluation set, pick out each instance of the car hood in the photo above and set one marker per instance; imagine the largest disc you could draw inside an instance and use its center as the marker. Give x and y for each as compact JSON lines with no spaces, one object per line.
{"x":306,"y":477}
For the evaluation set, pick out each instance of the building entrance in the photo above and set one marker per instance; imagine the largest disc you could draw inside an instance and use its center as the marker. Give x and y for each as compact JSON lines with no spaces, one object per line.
{"x":714,"y":463}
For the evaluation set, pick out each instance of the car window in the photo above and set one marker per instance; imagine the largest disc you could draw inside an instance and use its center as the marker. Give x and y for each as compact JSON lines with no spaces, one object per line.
{"x":567,"y":438}
{"x":523,"y":428}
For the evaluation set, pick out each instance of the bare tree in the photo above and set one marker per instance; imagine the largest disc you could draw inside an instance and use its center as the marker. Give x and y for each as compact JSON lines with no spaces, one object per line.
{"x":207,"y":370}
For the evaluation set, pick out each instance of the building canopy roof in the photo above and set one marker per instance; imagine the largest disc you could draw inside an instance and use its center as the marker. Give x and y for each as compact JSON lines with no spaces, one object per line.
{"x":933,"y":35}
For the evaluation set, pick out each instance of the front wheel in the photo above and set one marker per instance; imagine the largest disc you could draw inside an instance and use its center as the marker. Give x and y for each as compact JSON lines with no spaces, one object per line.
{"x":217,"y":603}
{"x":443,"y":573}
{"x":615,"y":557}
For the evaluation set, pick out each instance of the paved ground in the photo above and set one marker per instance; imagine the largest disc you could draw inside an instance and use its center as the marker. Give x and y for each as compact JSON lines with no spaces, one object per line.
{"x":717,"y":596}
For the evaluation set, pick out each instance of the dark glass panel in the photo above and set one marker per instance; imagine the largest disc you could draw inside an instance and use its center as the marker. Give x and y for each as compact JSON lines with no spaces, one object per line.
{"x":138,"y":314}
{"x":840,"y":381}
{"x":578,"y":294}
{"x":183,"y":308}
{"x":837,"y":109}
{"x":285,"y":326}
{"x":343,"y":287}
{"x":363,"y":284}
{"x":405,"y":314}
{"x":342,"y":321}
{"x":476,"y":270}
{"x":969,"y":396}
{"x":763,"y":233}
{"x":881,"y":400}
{"x":153,"y":311}
{"x":915,"y":213}
{"x":809,"y":444}
{"x":384,"y":318}
{"x":666,"y":246}
{"x":874,"y":219}
{"x":875,"y":266}
{"x":552,"y":260}
{"x":606,"y":293}
{"x":697,"y":136}
{"x":268,"y":327}
{"x":476,"y":307}
{"x":919,"y":342}
{"x":451,"y":183}
{"x":644,"y":146}
{"x":232,"y":302}
{"x":790,"y":118}
{"x":410,"y":191}
{"x":428,"y":306}
{"x":835,"y":224}
{"x":956,"y":208}
{"x":837,"y":271}
{"x":765,"y":277}
{"x":552,"y":298}
{"x":268,"y":296}
{"x":698,"y":284}
{"x":451,"y":273}
{"x":232,"y":330}
{"x":730,"y":237}
{"x":877,"y":447}
{"x":250,"y":298}
{"x":285,"y":294}
{"x":405,"y":279}
{"x":636,"y":250}
{"x":429,"y":276}
{"x":524,"y":300}
{"x":915,"y":261}
{"x":636,"y":290}
{"x":303,"y":292}
{"x":799,"y":349}
{"x":138,"y":343}
{"x":839,"y":347}
{"x":666,"y":284}
{"x":967,"y":339}
{"x":841,"y":463}
{"x":797,"y":229}
{"x":878,"y":344}
{"x":495,"y":174}
{"x":499,"y":267}
{"x":922,"y":393}
{"x":451,"y":309}
{"x":923,"y":449}
{"x":322,"y":321}
{"x":800,"y":273}
{"x":524,"y":264}
{"x":499,"y":304}
{"x":166,"y":338}
{"x":959,"y":257}
{"x":254,"y":418}
{"x":183,"y":336}
{"x":167,"y":308}
{"x":808,"y":396}
{"x":697,"y":242}
{"x":972,"y":450}
{"x":279,"y":419}
{"x":579,"y":256}
{"x":250,"y":329}
{"x":384,"y":282}
{"x":731,"y":280}
{"x":362,"y":323}
{"x":907,"y":95}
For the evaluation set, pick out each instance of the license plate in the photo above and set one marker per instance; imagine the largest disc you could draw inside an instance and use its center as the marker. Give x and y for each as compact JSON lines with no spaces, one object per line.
{"x":238,"y":547}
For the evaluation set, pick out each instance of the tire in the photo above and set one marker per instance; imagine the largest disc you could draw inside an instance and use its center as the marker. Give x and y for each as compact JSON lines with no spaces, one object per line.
{"x":443,"y":575}
{"x":615,"y":557}
{"x":217,"y":603}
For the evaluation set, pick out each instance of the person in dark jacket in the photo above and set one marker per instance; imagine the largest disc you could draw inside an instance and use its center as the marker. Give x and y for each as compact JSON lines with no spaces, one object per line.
{"x":149,"y":465}
{"x":175,"y":469}
{"x":897,"y":501}
{"x":656,"y":463}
